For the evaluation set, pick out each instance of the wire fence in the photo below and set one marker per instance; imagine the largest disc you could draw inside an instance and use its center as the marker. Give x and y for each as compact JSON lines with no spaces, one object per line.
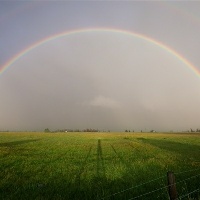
{"x":182,"y":196}
{"x":187,"y":195}
{"x":122,"y":191}
{"x":183,"y":172}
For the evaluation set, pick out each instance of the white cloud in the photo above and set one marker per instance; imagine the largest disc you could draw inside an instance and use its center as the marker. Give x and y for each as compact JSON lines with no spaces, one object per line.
{"x":101,"y":101}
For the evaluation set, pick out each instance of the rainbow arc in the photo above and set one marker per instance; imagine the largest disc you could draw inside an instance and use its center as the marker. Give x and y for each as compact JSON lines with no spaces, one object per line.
{"x":79,"y":31}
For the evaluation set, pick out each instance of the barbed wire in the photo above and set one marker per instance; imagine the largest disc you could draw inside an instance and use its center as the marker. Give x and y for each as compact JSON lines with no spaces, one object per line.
{"x":187,"y":171}
{"x":150,"y":182}
{"x":187,"y":194}
{"x":133,"y":187}
{"x":163,"y":187}
{"x":148,"y":193}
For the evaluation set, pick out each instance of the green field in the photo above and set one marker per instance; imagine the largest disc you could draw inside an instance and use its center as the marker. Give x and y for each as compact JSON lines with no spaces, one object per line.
{"x":97,"y":165}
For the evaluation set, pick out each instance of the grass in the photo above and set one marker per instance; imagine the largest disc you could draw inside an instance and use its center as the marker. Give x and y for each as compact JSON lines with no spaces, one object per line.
{"x":97,"y":165}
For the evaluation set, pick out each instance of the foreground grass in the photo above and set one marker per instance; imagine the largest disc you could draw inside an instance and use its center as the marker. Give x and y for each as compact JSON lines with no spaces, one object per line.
{"x":97,"y":165}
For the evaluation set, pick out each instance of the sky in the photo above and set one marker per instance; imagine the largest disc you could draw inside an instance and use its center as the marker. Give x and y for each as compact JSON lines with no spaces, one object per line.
{"x":107,"y":65}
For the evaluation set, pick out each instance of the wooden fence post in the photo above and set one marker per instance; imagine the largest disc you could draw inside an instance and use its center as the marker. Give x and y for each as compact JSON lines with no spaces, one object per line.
{"x":172,"y":186}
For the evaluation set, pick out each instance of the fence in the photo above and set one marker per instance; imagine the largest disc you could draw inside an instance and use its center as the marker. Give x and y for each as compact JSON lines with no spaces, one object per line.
{"x":173,"y":192}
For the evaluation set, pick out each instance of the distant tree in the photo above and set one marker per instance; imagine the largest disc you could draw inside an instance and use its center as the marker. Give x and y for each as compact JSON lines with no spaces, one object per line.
{"x":192,"y":130}
{"x":46,"y":130}
{"x":90,"y":130}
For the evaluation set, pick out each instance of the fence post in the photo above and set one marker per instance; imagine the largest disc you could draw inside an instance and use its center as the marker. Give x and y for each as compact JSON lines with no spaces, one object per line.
{"x":172,"y":186}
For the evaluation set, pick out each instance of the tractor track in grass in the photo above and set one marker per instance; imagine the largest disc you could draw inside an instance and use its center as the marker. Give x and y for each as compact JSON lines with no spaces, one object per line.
{"x":82,"y":168}
{"x":100,"y":160}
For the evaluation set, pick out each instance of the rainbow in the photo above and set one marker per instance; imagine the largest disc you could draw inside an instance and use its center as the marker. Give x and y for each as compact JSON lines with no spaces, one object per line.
{"x":67,"y":33}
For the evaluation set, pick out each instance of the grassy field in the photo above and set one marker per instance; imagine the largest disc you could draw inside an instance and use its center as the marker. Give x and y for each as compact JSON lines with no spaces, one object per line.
{"x":97,"y":165}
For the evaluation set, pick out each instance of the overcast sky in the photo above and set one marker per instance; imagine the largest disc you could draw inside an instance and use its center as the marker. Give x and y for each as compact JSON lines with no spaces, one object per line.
{"x":102,"y":78}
